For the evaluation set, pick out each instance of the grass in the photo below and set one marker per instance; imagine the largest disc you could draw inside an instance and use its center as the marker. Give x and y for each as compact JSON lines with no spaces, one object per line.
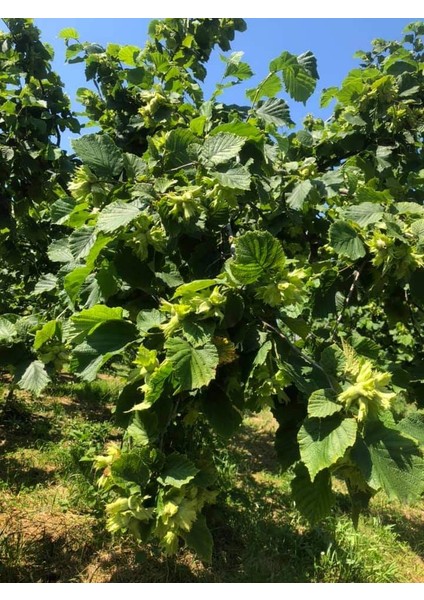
{"x":51,"y":516}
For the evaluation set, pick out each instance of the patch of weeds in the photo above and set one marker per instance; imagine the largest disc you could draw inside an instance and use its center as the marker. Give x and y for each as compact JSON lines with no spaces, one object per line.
{"x":356,"y":556}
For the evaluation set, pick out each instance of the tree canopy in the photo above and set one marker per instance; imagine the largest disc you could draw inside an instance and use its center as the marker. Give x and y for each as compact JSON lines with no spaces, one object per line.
{"x":223,"y":261}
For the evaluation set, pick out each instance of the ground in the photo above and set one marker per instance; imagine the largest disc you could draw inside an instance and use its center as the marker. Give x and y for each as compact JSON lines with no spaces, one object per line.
{"x":51,"y":515}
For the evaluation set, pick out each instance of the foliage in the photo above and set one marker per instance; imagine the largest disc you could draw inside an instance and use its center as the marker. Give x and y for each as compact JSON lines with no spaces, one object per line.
{"x":34,"y":170}
{"x":228,"y":266}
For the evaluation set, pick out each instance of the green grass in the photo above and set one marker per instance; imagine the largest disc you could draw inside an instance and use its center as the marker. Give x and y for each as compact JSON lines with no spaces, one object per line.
{"x":51,"y":516}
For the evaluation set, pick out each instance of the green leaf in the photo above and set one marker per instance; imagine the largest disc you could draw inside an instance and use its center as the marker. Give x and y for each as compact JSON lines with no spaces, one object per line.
{"x":238,"y":178}
{"x":257,"y":253}
{"x":74,"y":281}
{"x":89,"y":319}
{"x":413,"y":425}
{"x":177,"y":145}
{"x":46,"y":333}
{"x":239,"y":128}
{"x":390,"y":461}
{"x":239,"y":70}
{"x":200,"y":540}
{"x":368,"y":194}
{"x":59,"y":251}
{"x":365,"y":213}
{"x":100,"y":153}
{"x":308,"y":61}
{"x":346,"y":241}
{"x":69,"y":33}
{"x":322,"y":403}
{"x":178,"y":471}
{"x":46,"y":283}
{"x":115,"y":215}
{"x":409,"y":208}
{"x":221,"y":148}
{"x":275,"y":111}
{"x":35,"y":378}
{"x":313,"y":499}
{"x":128,"y":54}
{"x":190,"y":289}
{"x":193,"y":367}
{"x":323,"y":441}
{"x":269,"y":87}
{"x":305,"y":138}
{"x":299,"y":194}
{"x":81,"y":242}
{"x":156,"y":384}
{"x":7,"y":330}
{"x":299,"y":74}
{"x":130,"y":467}
{"x":149,"y":319}
{"x":107,"y":340}
{"x":61,"y":209}
{"x":328,"y":94}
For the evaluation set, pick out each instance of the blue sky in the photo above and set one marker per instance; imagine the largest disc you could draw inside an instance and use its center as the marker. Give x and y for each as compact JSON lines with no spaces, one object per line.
{"x":333,"y":41}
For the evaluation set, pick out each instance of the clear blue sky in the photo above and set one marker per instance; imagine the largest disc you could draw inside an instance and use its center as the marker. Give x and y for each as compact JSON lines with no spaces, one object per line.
{"x":333,"y":41}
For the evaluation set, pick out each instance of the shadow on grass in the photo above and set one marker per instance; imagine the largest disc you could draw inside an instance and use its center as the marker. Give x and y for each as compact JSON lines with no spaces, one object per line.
{"x":409,"y":528}
{"x":17,"y":475}
{"x":21,"y":428}
{"x":46,"y":558}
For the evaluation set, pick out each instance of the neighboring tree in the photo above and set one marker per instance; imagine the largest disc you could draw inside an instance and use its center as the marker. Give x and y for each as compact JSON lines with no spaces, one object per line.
{"x":228,"y":266}
{"x":34,"y":173}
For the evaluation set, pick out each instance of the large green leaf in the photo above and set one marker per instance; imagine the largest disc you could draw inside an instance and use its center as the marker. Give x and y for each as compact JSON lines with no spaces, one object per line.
{"x":116,"y":215}
{"x":323,"y":441}
{"x":59,"y":251}
{"x":107,"y":340}
{"x":313,"y":499}
{"x":238,"y":178}
{"x":221,"y":148}
{"x":299,"y":74}
{"x":308,"y":61}
{"x":35,"y":378}
{"x":413,"y":425}
{"x":130,"y":467}
{"x":193,"y":367}
{"x":322,"y":403}
{"x":269,"y":87}
{"x":177,"y":146}
{"x":390,"y":461}
{"x":87,"y":320}
{"x":100,"y":153}
{"x":46,"y":333}
{"x":275,"y":111}
{"x":81,"y":242}
{"x":241,"y":129}
{"x":365,"y":213}
{"x":345,"y":241}
{"x":178,"y":471}
{"x":7,"y":330}
{"x":149,"y":319}
{"x":61,"y":210}
{"x":257,"y":253}
{"x":46,"y":283}
{"x":300,"y":193}
{"x":74,"y":281}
